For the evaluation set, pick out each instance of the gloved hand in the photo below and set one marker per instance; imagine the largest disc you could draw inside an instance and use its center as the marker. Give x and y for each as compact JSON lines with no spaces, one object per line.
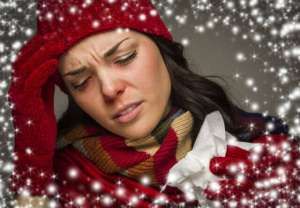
{"x":32,"y":96}
{"x":262,"y":177}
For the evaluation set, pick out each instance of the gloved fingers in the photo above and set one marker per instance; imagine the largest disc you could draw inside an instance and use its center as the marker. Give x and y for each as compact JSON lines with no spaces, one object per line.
{"x":271,"y":139}
{"x":263,"y":155}
{"x":40,"y":76}
{"x":36,"y":58}
{"x":28,"y":49}
{"x":267,"y":160}
{"x":230,"y":166}
{"x":271,"y":154}
{"x":236,"y":152}
{"x":267,"y":151}
{"x":226,"y":188}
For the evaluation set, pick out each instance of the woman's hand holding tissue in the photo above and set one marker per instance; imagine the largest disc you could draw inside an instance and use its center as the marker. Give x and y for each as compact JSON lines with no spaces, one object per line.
{"x":192,"y":173}
{"x":221,"y":170}
{"x":261,"y":177}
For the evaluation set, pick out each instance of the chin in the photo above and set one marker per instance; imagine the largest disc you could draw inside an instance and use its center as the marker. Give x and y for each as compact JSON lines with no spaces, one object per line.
{"x":138,"y":131}
{"x":136,"y":134}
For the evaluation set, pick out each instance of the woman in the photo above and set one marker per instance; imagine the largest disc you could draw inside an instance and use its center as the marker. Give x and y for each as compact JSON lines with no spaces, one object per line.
{"x":136,"y":113}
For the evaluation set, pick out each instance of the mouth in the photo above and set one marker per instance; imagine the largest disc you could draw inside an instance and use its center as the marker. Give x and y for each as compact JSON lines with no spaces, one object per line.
{"x":128,"y":113}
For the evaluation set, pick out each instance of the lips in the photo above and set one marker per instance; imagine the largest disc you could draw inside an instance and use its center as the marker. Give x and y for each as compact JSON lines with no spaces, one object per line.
{"x":128,"y":112}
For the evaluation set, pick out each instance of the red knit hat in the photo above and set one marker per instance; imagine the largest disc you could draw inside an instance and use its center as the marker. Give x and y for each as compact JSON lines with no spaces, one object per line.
{"x":61,"y":24}
{"x":75,"y":19}
{"x":72,"y":20}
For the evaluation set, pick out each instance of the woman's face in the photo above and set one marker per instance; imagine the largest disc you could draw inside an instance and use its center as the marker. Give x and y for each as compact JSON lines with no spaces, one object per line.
{"x":120,"y":80}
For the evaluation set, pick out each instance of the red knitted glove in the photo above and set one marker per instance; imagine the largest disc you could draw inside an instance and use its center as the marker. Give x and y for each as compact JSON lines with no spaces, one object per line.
{"x":263,"y":177}
{"x":32,"y":95}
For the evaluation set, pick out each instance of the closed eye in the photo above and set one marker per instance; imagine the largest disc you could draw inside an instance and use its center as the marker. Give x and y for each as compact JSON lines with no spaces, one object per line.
{"x":127,"y":59}
{"x":80,"y":85}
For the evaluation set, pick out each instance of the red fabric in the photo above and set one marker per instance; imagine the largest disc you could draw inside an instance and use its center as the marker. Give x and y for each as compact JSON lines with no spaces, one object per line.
{"x":32,"y":91}
{"x":119,"y":152}
{"x":111,"y":154}
{"x":32,"y":94}
{"x":56,"y":18}
{"x":230,"y":189}
{"x":165,"y":157}
{"x":35,"y":73}
{"x":257,"y":173}
{"x":81,"y":186}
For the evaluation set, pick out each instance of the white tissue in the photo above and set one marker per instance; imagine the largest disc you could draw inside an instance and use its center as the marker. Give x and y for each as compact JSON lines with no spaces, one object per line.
{"x":191,"y":174}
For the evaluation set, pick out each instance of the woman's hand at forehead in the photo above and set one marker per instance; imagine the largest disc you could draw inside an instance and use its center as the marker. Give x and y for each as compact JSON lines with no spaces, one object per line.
{"x":32,"y":93}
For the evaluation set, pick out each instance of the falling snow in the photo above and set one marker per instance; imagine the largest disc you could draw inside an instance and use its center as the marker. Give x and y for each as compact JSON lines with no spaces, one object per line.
{"x":269,"y":24}
{"x":272,"y":25}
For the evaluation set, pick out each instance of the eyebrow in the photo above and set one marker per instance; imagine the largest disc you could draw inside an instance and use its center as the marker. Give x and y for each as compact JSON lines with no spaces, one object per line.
{"x":107,"y":54}
{"x":114,"y":48}
{"x":75,"y":72}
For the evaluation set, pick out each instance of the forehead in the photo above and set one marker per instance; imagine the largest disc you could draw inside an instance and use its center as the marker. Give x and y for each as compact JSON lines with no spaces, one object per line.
{"x":100,"y":42}
{"x":103,"y":41}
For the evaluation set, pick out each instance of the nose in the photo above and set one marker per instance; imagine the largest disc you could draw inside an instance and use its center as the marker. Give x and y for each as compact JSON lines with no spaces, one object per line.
{"x":111,"y":85}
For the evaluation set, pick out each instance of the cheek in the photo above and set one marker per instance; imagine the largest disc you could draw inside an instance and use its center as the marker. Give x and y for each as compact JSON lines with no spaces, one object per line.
{"x":91,"y":104}
{"x":150,"y":74}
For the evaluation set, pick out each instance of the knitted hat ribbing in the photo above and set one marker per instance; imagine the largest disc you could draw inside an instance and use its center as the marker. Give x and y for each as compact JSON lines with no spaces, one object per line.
{"x":75,"y":19}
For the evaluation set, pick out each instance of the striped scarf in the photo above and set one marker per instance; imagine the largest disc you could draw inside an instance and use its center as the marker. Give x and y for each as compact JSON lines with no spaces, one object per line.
{"x":151,"y":156}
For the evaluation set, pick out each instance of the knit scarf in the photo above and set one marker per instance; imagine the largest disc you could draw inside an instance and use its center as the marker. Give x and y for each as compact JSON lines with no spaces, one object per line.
{"x":150,"y":157}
